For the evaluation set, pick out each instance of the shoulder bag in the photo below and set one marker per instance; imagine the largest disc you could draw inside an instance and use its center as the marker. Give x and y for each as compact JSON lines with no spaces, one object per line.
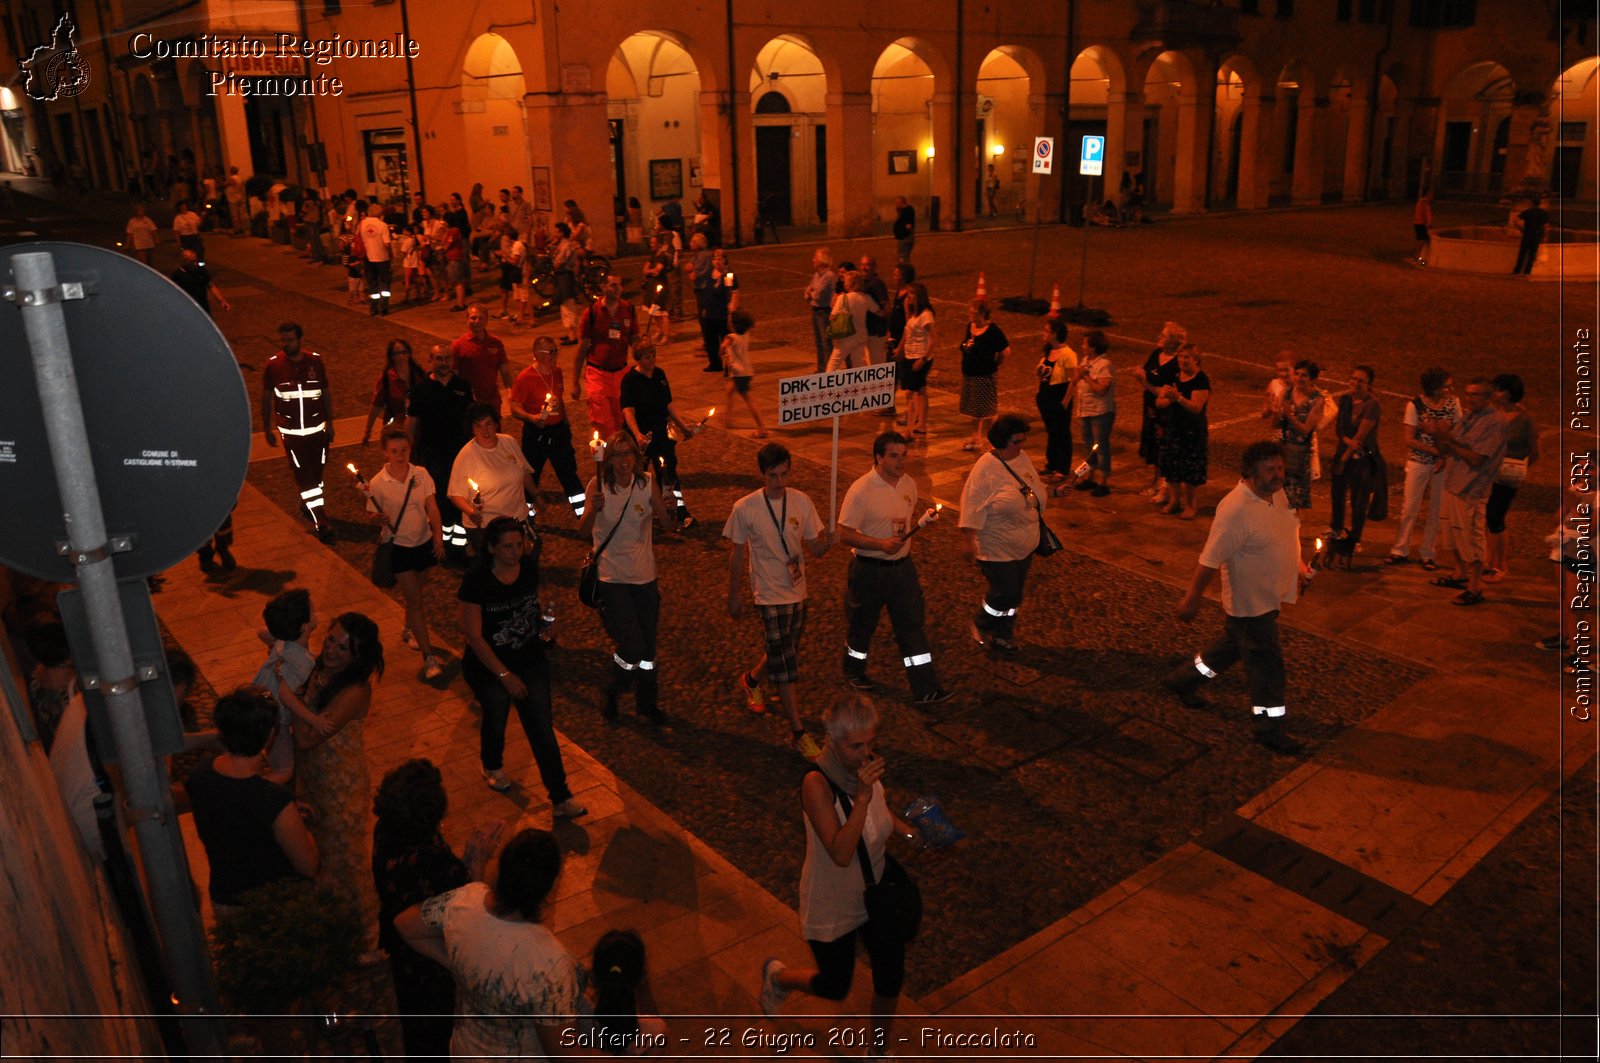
{"x":1048,"y":542}
{"x":894,"y":902}
{"x":589,"y":571}
{"x":383,"y":557}
{"x":841,"y":323}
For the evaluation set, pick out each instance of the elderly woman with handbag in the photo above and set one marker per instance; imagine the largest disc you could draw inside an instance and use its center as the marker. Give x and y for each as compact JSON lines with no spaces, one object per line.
{"x":849,"y":885}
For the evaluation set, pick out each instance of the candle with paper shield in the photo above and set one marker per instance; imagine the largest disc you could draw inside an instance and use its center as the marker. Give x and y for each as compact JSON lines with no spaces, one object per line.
{"x":930,"y":516}
{"x":597,"y":447}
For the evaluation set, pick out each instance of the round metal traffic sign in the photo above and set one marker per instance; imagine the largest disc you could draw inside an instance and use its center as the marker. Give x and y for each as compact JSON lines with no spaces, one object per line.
{"x":1042,"y":147}
{"x":164,"y":406}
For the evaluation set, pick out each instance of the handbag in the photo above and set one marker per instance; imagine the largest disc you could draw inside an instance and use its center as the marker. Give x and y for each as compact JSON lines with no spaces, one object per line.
{"x":382,"y":574}
{"x":1512,"y":472}
{"x":841,"y":323}
{"x":1049,"y":543}
{"x":893,"y":901}
{"x":589,"y":571}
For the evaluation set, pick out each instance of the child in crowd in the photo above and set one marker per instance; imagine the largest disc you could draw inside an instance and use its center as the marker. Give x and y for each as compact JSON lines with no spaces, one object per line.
{"x":290,"y":621}
{"x":615,"y":990}
{"x":411,"y":261}
{"x":354,"y":268}
{"x":738,"y":369}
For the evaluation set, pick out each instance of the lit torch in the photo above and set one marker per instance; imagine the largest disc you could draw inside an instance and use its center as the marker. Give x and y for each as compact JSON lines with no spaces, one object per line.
{"x":361,"y":481}
{"x":930,"y":516}
{"x":709,"y":414}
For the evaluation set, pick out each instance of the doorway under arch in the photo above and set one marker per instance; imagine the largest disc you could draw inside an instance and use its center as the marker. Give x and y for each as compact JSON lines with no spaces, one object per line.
{"x":1471,"y":107}
{"x":791,"y":145}
{"x":653,"y":105}
{"x":903,"y":86}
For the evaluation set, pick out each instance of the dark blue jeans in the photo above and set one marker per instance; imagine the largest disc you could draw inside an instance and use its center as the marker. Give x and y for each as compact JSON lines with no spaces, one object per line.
{"x":533,"y":711}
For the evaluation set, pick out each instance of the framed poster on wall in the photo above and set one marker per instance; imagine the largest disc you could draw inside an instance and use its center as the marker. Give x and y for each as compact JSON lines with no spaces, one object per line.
{"x":666,"y":178}
{"x":902,"y":162}
{"x":543,"y":199}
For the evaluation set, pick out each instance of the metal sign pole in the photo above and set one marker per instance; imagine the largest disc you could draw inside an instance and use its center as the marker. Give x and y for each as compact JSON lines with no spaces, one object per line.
{"x":88,"y":545}
{"x":1083,"y":261}
{"x":833,"y":482}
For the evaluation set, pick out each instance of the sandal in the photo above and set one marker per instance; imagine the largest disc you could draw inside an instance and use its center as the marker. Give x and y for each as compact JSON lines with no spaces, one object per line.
{"x":1468,"y":598}
{"x":1397,"y":559}
{"x":1449,"y":583}
{"x":969,"y":447}
{"x":1493,"y":575}
{"x":1429,"y":565}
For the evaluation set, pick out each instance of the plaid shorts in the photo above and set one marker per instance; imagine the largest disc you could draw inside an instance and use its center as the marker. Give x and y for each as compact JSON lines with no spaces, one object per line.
{"x":782,"y":625}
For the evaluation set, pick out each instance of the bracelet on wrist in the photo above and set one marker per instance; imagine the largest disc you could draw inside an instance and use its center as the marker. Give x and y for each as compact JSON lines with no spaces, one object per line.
{"x":502,"y":675}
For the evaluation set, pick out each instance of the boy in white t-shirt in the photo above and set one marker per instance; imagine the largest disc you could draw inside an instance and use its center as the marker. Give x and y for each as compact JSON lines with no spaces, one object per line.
{"x":738,"y":370}
{"x":772,"y":528}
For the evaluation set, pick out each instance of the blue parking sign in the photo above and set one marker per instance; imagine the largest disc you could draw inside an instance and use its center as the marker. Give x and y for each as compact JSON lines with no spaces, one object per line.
{"x":1091,"y":160}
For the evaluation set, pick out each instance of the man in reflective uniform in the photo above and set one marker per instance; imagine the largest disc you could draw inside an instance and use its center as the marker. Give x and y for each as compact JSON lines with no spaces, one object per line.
{"x":437,"y":420}
{"x":877,"y":520}
{"x":648,"y":410}
{"x":295,"y":404}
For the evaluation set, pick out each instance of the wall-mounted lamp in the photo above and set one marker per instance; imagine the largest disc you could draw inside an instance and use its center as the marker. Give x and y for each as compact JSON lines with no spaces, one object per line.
{"x":927,"y":153}
{"x":997,"y":150}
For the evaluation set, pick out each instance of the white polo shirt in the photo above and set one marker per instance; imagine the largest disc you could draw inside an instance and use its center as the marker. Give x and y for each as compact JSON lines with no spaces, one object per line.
{"x":876,"y":508}
{"x":993,"y":504}
{"x":1256,"y":544}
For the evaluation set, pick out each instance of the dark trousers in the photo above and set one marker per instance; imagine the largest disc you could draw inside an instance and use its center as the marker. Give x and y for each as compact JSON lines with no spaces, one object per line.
{"x":1253,"y":640}
{"x":999,"y":613}
{"x":307,"y":455}
{"x":870,"y":588}
{"x":1058,"y":428}
{"x":1527,"y":253}
{"x":713,"y":327}
{"x":455,"y":535}
{"x":630,"y":613}
{"x":222,"y":538}
{"x":1353,"y":477}
{"x":380,"y":276}
{"x":819,"y":333}
{"x":553,"y":443}
{"x":533,"y":711}
{"x":836,"y":963}
{"x":663,"y":455}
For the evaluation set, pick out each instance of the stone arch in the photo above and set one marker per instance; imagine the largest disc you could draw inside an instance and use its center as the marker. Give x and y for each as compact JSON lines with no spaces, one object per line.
{"x":1169,"y":76}
{"x":494,"y":140}
{"x":1298,"y":140}
{"x":656,"y":106}
{"x":1473,"y":104}
{"x":204,"y":122}
{"x":790,"y":151}
{"x":1574,"y":98}
{"x":1008,"y":98}
{"x":1237,"y":147}
{"x":906,"y":82}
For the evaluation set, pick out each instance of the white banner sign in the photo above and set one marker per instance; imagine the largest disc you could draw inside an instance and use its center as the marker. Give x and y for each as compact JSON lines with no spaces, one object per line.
{"x":846,"y":391}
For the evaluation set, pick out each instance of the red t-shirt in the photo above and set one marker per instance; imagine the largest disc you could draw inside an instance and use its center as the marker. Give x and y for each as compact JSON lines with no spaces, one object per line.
{"x":530,"y":388}
{"x":480,"y":363}
{"x":611,"y":337}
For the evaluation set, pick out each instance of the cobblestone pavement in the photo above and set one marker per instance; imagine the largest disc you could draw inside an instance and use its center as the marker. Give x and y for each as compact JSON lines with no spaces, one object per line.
{"x":1067,"y":770}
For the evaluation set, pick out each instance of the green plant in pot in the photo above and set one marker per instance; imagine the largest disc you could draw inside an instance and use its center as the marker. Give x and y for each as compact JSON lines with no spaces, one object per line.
{"x":286,"y":946}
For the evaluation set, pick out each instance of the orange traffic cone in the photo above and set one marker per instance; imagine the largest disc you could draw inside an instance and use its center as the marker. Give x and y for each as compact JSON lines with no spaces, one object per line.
{"x":1055,"y":301}
{"x":983,"y":287}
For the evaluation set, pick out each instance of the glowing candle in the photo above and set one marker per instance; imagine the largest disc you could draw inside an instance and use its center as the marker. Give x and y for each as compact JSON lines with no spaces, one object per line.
{"x":362,"y":480}
{"x":930,"y":516}
{"x":597,"y":448}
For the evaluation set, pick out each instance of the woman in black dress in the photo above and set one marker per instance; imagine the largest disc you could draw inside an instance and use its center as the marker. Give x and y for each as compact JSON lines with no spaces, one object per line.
{"x":983,"y":351}
{"x":1182,"y":405}
{"x":1058,"y":372}
{"x":1160,"y":370}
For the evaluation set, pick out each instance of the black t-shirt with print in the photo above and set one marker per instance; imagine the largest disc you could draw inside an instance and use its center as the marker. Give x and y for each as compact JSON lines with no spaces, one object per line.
{"x":511,"y":614}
